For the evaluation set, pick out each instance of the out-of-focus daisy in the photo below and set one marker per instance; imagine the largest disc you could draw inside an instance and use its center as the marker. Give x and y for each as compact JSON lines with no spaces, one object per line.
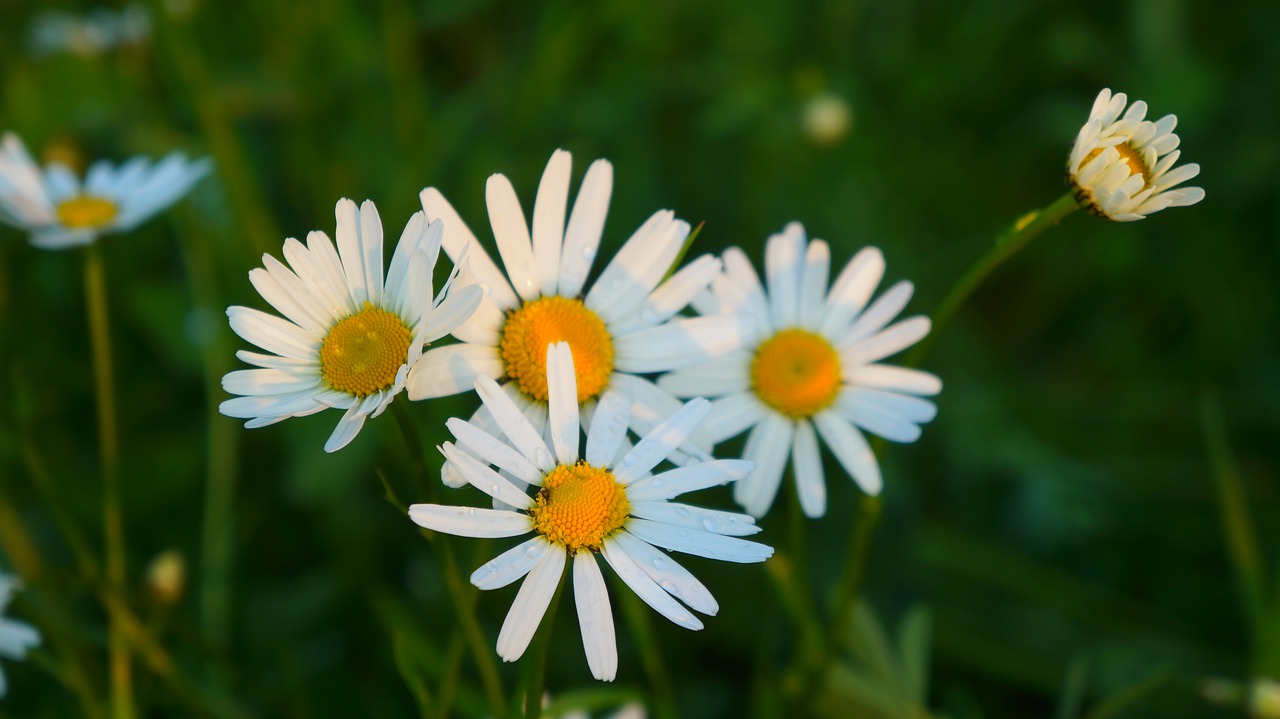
{"x":348,"y":337}
{"x":102,"y":29}
{"x":826,"y":119}
{"x":813,"y":371}
{"x":61,"y":210}
{"x":603,"y":502}
{"x":15,"y":637}
{"x":624,"y":326}
{"x":1122,"y":166}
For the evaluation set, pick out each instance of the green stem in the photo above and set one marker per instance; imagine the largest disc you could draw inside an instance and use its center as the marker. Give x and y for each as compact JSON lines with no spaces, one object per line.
{"x":536,"y":681}
{"x":460,"y":593}
{"x":121,"y":671}
{"x":1019,"y":235}
{"x":663,"y":703}
{"x":855,"y":569}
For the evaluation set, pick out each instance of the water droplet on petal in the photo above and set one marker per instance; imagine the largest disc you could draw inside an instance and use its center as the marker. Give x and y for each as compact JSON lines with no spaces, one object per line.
{"x":656,"y":483}
{"x":659,"y":563}
{"x":533,"y":551}
{"x":630,"y":459}
{"x":541,"y":457}
{"x":682,"y":512}
{"x":495,"y":488}
{"x":471,"y":511}
{"x":669,"y":587}
{"x":710,"y":525}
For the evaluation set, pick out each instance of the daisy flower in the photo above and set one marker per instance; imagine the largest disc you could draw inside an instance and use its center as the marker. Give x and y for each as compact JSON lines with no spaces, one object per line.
{"x":15,"y":637}
{"x":814,"y":370}
{"x":60,"y":210}
{"x":601,"y":503}
{"x":1122,"y":166}
{"x":347,"y":336}
{"x":623,"y":326}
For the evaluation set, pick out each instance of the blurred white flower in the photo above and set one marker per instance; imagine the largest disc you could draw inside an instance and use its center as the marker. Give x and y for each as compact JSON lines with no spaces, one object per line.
{"x":814,"y":370}
{"x":826,"y":119}
{"x":1122,"y":166}
{"x":603,"y":502}
{"x":1264,"y":698}
{"x":60,"y":210}
{"x":15,"y":637}
{"x":100,"y":30}
{"x":349,"y":333}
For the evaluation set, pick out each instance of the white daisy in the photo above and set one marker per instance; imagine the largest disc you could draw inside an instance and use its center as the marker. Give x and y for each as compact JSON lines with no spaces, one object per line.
{"x":624,"y":326}
{"x":814,"y":370}
{"x":345,"y":340}
{"x":603,"y":502}
{"x":1122,"y":167}
{"x":15,"y":637}
{"x":60,"y":210}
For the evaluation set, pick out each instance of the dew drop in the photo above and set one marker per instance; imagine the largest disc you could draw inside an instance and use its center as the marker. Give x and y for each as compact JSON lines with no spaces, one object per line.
{"x":710,"y":525}
{"x":657,"y":482}
{"x":649,"y":315}
{"x":668,"y":586}
{"x":471,"y":511}
{"x":533,"y":551}
{"x":588,"y":252}
{"x":659,"y":563}
{"x":541,"y":457}
{"x":630,"y":459}
{"x":682,"y":512}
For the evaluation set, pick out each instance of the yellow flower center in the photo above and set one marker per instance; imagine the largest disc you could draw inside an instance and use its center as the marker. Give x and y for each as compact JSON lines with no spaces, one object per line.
{"x":85,"y":211}
{"x":362,"y":353}
{"x":1129,"y":156}
{"x":530,"y":329}
{"x":796,"y":372}
{"x":579,"y":506}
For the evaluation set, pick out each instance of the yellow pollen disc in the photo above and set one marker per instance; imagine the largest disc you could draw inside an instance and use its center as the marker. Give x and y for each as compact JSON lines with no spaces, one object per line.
{"x":362,"y":353}
{"x":796,"y":372}
{"x":1129,"y":156}
{"x":579,"y":506}
{"x":530,"y":329}
{"x":85,"y":211}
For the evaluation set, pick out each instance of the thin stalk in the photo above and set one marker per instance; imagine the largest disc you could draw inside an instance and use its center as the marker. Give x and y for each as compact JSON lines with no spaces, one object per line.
{"x":1019,"y":235}
{"x":459,"y":592}
{"x":121,"y":670}
{"x":855,"y":570}
{"x":541,"y":647}
{"x":663,"y":703}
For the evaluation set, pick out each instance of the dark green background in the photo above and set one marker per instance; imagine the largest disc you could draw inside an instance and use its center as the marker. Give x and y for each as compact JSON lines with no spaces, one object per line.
{"x":1062,"y":506}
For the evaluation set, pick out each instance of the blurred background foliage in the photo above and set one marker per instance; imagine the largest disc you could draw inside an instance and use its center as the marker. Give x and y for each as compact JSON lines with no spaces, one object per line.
{"x":1060,"y":518}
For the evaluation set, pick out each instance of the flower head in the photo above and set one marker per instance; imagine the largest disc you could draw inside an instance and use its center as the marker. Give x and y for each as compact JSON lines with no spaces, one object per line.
{"x":1122,"y":166}
{"x":348,"y":336}
{"x":623,"y":326}
{"x":60,"y":210}
{"x":813,"y":370}
{"x":604,"y":502}
{"x":15,"y":637}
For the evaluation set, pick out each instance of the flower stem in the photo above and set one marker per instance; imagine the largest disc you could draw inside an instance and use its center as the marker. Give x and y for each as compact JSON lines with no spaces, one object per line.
{"x":536,"y":681}
{"x":663,"y":703}
{"x":1019,"y":235}
{"x":121,"y":671}
{"x":855,"y":569}
{"x":460,"y":592}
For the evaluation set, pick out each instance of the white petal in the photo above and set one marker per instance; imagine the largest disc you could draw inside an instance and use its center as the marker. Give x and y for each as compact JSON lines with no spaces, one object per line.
{"x":486,"y":480}
{"x":485,"y":446}
{"x":880,"y":313}
{"x":529,"y":606}
{"x":811,"y":486}
{"x":595,"y":617}
{"x":669,"y":575}
{"x":852,"y":290}
{"x":273,"y":334}
{"x":635,"y":577}
{"x":887,"y":342}
{"x":608,"y":428}
{"x":371,"y":247}
{"x":548,"y":220}
{"x":888,"y":377}
{"x":350,"y":424}
{"x":731,"y":415}
{"x":351,"y":250}
{"x":740,"y":289}
{"x":686,"y":515}
{"x":586,"y":224}
{"x":784,"y":264}
{"x":562,"y":402}
{"x":671,"y":296}
{"x":912,"y":409}
{"x":512,"y":564}
{"x":768,"y":446}
{"x":638,"y":266}
{"x":658,"y":443}
{"x":681,"y":342}
{"x":470,"y":521}
{"x":459,"y":239}
{"x":813,"y":284}
{"x":443,"y":371}
{"x":675,"y":482}
{"x":698,"y":542}
{"x":512,"y":234}
{"x":851,"y":449}
{"x":514,"y":424}
{"x":455,"y":310}
{"x":293,"y":404}
{"x":268,"y":381}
